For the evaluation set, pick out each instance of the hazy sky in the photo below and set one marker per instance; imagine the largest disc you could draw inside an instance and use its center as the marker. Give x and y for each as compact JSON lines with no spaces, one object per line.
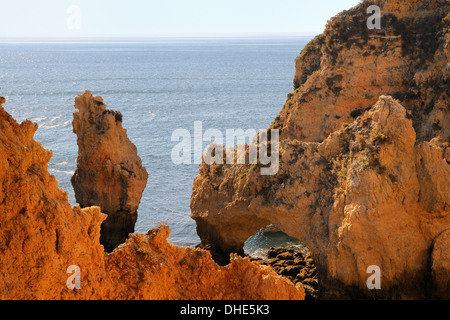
{"x":147,"y":18}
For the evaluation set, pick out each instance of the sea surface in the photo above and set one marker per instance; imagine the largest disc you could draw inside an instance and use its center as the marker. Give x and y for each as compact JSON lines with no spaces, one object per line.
{"x":159,"y":86}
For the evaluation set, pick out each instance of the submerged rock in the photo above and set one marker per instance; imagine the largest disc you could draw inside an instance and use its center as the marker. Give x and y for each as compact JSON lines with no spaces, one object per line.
{"x":109,"y":172}
{"x":296,"y":266}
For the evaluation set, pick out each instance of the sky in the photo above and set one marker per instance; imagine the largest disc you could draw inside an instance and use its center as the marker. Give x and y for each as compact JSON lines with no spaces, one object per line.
{"x":165,"y":18}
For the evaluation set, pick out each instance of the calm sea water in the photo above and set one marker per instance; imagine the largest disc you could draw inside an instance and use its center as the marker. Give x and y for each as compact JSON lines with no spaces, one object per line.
{"x":158,"y":86}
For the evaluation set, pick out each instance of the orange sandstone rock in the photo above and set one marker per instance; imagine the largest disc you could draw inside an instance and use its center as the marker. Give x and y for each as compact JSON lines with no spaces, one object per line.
{"x":41,"y":236}
{"x":109,"y":171}
{"x":364,"y":178}
{"x":366,"y":195}
{"x":150,"y":268}
{"x":345,"y":69}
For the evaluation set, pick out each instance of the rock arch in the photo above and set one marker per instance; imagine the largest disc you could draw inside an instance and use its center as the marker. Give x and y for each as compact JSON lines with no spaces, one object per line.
{"x":353,"y":199}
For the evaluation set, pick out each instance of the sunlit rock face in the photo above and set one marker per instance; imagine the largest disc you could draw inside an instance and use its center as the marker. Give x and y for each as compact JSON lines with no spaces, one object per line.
{"x":364,"y":158}
{"x":49,"y":250}
{"x":109,"y":171}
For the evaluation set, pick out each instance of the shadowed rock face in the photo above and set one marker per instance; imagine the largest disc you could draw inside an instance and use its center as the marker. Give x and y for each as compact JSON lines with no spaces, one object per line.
{"x":109,"y":171}
{"x":295,"y":265}
{"x":364,"y":158}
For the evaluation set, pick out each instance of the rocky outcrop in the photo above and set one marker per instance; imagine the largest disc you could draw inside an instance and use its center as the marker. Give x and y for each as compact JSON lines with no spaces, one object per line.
{"x":148,"y":267}
{"x":295,"y":265}
{"x":109,"y":172}
{"x":344,"y":70}
{"x":364,"y":176}
{"x":44,"y":241}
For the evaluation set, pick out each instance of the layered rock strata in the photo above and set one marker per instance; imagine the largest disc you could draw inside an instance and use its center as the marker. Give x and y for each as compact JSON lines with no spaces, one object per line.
{"x":46,"y":246}
{"x":109,"y":172}
{"x":364,"y":158}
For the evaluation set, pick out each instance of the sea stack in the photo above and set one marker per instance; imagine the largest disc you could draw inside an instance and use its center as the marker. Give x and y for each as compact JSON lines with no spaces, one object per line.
{"x":109,"y":171}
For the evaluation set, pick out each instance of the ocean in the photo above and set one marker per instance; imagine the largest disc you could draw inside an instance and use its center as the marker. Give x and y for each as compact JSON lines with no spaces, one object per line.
{"x":159,"y":86}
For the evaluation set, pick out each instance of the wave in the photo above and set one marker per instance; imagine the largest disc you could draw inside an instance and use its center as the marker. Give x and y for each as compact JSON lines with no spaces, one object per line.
{"x":40,"y":119}
{"x":70,"y":172}
{"x":57,"y":125}
{"x":64,"y":163}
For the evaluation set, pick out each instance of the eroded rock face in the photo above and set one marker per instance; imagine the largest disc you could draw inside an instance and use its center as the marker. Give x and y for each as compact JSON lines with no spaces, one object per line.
{"x":41,"y":235}
{"x":364,"y":178}
{"x":109,"y":171}
{"x":148,"y":267}
{"x":355,"y":200}
{"x":348,"y":67}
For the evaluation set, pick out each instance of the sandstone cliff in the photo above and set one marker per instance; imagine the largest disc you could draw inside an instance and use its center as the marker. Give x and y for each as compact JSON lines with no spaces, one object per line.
{"x":349,"y":66}
{"x":364,"y":178}
{"x":41,"y":236}
{"x":109,"y":171}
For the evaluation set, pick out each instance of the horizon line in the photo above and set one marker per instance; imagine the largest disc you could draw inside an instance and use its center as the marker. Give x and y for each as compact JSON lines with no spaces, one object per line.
{"x":138,"y":38}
